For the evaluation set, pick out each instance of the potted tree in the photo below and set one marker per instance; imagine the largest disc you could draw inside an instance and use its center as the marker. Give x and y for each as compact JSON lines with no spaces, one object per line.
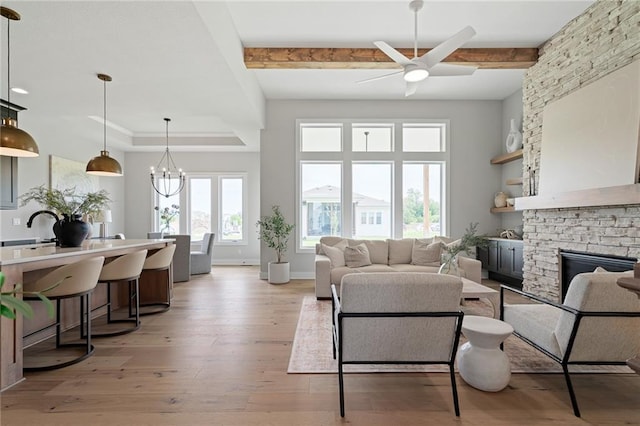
{"x":70,"y":230}
{"x":275,"y":231}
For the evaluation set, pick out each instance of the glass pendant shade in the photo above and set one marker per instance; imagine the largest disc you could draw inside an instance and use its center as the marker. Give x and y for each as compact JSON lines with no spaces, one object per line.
{"x":16,"y":142}
{"x":103,"y":164}
{"x":13,"y":141}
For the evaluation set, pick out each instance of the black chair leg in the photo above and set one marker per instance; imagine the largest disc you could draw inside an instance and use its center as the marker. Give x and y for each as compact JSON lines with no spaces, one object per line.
{"x":341,"y":385}
{"x":454,"y":390}
{"x":88,"y":301}
{"x":574,"y":401}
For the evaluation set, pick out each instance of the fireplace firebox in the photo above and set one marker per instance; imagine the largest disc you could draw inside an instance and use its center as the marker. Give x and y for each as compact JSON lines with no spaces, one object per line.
{"x":573,"y":263}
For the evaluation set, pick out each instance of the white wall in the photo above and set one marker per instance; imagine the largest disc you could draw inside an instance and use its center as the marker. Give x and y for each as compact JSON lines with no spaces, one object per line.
{"x":476,"y":129}
{"x":139,"y":195}
{"x":62,"y":139}
{"x":511,"y":108}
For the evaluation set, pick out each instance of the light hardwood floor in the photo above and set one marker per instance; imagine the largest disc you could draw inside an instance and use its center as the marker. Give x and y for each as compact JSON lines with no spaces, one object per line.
{"x":220,"y":355}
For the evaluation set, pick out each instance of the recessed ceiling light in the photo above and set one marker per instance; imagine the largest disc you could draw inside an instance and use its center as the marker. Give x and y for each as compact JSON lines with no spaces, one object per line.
{"x":19,"y":90}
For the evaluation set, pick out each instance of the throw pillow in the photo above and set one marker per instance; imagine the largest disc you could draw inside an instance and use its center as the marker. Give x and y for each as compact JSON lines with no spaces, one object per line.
{"x":357,"y":256}
{"x":426,"y":253}
{"x":335,"y":253}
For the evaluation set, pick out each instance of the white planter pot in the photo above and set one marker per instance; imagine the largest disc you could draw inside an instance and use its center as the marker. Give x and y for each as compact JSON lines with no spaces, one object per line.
{"x":278,"y":272}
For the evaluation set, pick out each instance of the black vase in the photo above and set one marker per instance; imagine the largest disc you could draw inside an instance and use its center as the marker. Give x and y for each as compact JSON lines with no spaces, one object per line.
{"x":71,"y":232}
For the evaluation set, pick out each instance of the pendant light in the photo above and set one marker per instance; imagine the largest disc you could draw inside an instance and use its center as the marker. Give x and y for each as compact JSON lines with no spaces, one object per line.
{"x":165,"y":185}
{"x":14,"y":142}
{"x":103,"y":165}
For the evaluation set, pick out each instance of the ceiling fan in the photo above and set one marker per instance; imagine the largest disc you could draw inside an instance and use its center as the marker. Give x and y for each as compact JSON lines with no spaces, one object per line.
{"x":419,"y":68}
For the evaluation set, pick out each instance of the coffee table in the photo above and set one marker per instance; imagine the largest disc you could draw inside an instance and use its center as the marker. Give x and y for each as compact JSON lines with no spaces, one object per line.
{"x":472,"y":290}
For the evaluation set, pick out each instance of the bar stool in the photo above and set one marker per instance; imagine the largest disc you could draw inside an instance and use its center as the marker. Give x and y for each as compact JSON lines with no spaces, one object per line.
{"x":125,"y":268}
{"x":75,"y":280}
{"x":160,"y":261}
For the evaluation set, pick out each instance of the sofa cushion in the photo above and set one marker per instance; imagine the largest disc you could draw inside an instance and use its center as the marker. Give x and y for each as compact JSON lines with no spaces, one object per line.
{"x":426,"y":253}
{"x":403,"y":267}
{"x":357,"y":256}
{"x":330,"y":241}
{"x":376,"y":267}
{"x":378,"y":250}
{"x":400,"y":251}
{"x":335,"y":253}
{"x":337,"y":273}
{"x":447,"y":242}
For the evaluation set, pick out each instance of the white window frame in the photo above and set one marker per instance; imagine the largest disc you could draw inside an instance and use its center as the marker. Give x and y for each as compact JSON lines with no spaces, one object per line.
{"x":216,"y":213}
{"x":245,"y":226}
{"x":397,"y":157}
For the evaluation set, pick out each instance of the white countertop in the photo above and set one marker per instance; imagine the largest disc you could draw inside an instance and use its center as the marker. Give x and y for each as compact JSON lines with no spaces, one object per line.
{"x":33,"y":252}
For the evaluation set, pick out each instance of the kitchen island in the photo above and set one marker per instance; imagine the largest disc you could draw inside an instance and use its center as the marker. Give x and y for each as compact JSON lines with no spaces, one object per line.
{"x":27,"y":263}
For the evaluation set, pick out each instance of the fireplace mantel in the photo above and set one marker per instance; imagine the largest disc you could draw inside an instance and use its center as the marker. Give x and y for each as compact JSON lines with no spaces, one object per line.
{"x":610,"y":196}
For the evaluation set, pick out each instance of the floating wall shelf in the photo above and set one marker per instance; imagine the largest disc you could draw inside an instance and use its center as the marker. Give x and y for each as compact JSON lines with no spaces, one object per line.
{"x":506,"y":158}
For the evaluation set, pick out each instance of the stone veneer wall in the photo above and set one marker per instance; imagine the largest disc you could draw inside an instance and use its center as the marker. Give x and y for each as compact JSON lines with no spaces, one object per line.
{"x":604,"y":38}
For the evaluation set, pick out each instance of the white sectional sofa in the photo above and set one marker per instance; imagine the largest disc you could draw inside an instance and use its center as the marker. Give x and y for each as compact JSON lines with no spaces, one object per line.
{"x":403,"y":255}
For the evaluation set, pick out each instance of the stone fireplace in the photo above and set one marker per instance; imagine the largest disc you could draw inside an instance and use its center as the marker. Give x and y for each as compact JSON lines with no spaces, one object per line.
{"x":603,"y":39}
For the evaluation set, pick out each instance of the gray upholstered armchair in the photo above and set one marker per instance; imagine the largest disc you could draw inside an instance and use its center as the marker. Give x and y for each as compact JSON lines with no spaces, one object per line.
{"x":598,"y":324}
{"x":201,"y":260}
{"x":397,"y":318}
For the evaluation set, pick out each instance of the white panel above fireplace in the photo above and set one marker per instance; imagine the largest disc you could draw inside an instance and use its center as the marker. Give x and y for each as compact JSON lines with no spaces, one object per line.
{"x":590,"y":138}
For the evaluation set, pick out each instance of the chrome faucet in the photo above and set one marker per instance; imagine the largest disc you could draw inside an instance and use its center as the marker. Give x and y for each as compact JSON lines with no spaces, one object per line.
{"x":39,"y":212}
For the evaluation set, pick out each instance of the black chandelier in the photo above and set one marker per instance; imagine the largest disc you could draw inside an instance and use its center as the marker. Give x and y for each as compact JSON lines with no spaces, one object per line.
{"x":172,"y":180}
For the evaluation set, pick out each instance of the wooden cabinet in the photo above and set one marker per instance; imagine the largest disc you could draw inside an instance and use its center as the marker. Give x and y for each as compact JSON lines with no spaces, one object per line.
{"x":503,"y":259}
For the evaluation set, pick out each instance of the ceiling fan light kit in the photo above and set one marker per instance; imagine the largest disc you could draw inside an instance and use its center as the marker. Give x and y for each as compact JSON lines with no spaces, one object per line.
{"x":414,"y":73}
{"x":420,"y":67}
{"x":14,"y":142}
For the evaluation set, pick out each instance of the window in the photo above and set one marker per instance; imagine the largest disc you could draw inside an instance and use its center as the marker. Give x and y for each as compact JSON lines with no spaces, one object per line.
{"x":422,"y":199}
{"x":321,"y":138}
{"x":214,"y":203}
{"x":372,"y":138}
{"x":375,"y":180}
{"x":321,"y":212}
{"x":167,"y":211}
{"x":423,"y":138}
{"x":372,"y":193}
{"x":231,"y":209}
{"x":200,"y":211}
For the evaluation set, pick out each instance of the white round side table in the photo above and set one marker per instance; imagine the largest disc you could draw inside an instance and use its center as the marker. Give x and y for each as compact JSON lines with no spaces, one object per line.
{"x":480,"y":361}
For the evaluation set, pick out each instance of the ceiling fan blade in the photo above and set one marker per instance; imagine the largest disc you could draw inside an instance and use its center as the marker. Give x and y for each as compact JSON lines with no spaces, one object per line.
{"x":393,"y":53}
{"x":411,"y":88}
{"x":445,"y":70}
{"x":447,"y":47}
{"x":380,"y":77}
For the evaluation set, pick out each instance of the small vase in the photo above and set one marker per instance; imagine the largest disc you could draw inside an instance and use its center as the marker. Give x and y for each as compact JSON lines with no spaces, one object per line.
{"x":449,"y":265}
{"x":71,"y":232}
{"x":500,"y":200}
{"x":514,"y":138}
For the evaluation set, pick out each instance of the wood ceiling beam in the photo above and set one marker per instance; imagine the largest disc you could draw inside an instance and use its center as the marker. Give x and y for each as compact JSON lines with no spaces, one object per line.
{"x":373,"y":58}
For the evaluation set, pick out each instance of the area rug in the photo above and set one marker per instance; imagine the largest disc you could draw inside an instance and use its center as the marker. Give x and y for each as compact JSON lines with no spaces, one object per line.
{"x":312,"y":349}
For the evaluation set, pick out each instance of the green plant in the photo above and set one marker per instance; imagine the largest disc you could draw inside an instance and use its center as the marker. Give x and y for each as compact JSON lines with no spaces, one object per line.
{"x":66,"y":201}
{"x":10,"y":304}
{"x":275,"y":231}
{"x":468,"y":241}
{"x":166,"y":215}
